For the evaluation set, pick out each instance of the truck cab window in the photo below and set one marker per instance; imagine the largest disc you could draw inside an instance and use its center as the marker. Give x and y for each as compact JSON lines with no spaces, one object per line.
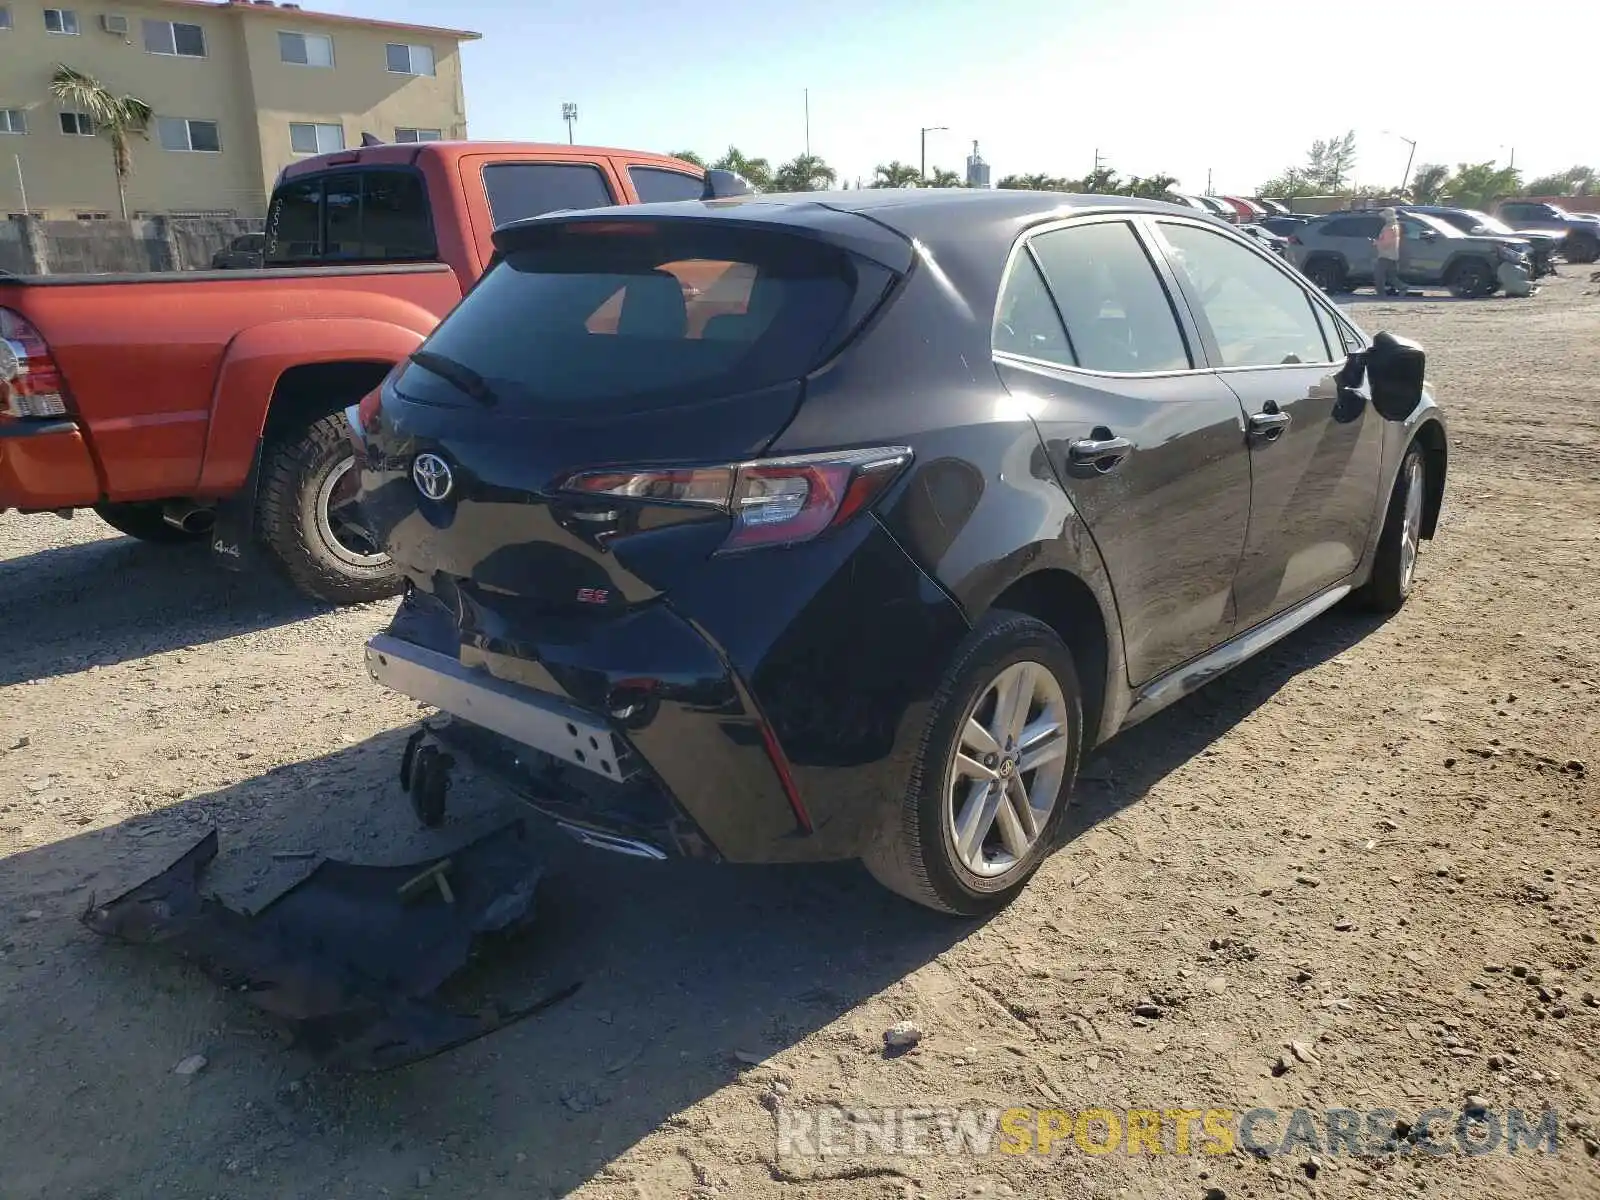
{"x":350,"y":217}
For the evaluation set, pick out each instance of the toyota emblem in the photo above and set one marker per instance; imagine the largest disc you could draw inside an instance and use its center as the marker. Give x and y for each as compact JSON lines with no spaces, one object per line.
{"x":432,"y":476}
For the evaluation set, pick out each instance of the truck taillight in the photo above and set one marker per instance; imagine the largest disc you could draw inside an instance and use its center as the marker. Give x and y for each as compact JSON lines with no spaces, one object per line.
{"x":30,"y":381}
{"x":773,"y":501}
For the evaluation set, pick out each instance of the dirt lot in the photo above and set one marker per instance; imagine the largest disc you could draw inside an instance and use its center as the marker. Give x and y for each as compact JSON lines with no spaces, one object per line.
{"x":1335,"y":846}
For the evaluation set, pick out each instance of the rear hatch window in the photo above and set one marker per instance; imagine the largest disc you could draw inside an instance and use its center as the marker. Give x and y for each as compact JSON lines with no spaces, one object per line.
{"x":585,"y":318}
{"x":371,"y":215}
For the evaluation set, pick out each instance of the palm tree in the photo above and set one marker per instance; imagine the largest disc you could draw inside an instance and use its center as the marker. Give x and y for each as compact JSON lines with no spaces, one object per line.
{"x":941,"y":178}
{"x":757,"y":170}
{"x":120,"y":118}
{"x":804,"y":173}
{"x":896,"y":174}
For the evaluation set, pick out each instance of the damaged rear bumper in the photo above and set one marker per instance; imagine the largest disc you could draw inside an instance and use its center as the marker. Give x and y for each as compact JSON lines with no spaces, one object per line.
{"x":644,"y":741}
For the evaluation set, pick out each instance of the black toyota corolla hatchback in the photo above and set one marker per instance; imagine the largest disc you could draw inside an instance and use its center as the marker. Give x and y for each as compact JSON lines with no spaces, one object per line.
{"x":842,"y":525}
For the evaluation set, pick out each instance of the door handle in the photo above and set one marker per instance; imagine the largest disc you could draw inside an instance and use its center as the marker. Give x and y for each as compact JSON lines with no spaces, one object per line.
{"x":1101,"y":452}
{"x":1268,"y":424}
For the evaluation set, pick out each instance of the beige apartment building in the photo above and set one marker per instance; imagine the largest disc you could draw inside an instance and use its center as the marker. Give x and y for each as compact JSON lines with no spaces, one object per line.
{"x":240,"y":89}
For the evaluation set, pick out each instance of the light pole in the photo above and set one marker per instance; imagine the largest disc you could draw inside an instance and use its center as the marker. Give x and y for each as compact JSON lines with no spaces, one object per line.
{"x":569,"y":114}
{"x":1406,"y":178}
{"x":926,"y":130}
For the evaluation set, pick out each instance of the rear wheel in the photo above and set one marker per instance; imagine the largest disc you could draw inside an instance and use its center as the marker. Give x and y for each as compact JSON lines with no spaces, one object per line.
{"x":1472,"y":278}
{"x":1582,"y":249}
{"x":307,"y":517}
{"x":145,"y":522}
{"x":1327,"y":273}
{"x":989,"y":787}
{"x":1394,"y":567}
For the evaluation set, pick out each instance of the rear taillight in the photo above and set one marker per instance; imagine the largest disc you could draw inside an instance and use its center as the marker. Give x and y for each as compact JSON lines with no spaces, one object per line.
{"x":30,"y":382}
{"x":773,"y":501}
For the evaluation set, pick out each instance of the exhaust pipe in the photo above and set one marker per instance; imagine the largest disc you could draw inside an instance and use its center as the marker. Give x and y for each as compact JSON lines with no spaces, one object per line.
{"x":191,"y":518}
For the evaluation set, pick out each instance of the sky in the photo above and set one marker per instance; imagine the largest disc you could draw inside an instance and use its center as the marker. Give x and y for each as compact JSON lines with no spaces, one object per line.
{"x":1225,"y":90}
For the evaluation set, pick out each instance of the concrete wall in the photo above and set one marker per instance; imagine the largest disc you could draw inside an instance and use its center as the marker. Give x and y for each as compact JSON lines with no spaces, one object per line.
{"x":241,"y":83}
{"x":34,"y":247}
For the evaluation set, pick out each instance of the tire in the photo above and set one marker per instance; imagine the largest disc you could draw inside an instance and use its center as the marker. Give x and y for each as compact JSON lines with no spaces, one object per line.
{"x":145,"y":522}
{"x":1471,"y":278}
{"x":1394,"y":567}
{"x":916,"y":854}
{"x":304,"y":472}
{"x":1327,"y":273}
{"x":1582,"y":249}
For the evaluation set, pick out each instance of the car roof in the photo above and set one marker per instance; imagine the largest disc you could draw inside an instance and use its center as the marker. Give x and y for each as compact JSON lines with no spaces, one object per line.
{"x":969,"y":222}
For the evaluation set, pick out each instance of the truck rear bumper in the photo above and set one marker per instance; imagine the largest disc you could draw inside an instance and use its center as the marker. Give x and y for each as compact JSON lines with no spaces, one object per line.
{"x":46,"y":465}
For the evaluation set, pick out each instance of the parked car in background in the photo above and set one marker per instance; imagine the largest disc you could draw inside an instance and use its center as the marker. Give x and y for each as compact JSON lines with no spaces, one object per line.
{"x":186,"y":406}
{"x":241,"y":254}
{"x":1278,"y":244}
{"x":1273,"y":207}
{"x":1247,"y":210}
{"x":1281,"y":225}
{"x":1541,"y":246}
{"x":1580,"y":232}
{"x":993,"y":511}
{"x":1337,"y":253}
{"x":1220,"y":208}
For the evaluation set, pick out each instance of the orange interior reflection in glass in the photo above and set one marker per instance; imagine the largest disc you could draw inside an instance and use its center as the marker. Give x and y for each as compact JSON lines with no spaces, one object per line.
{"x":711,"y":288}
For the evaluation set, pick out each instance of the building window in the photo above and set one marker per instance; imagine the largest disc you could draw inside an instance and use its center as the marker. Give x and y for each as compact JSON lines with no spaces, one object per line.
{"x":418,"y":135}
{"x":315,"y":139}
{"x":5,"y":16}
{"x":182,"y":133}
{"x":60,"y":20}
{"x":80,"y":124}
{"x":305,"y":49}
{"x":13,"y":120}
{"x":174,"y":37}
{"x":92,"y":216}
{"x":409,"y":60}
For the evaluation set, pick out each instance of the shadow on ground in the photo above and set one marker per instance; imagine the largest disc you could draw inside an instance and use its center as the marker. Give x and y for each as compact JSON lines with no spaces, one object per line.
{"x":139,"y":599}
{"x":687,"y":972}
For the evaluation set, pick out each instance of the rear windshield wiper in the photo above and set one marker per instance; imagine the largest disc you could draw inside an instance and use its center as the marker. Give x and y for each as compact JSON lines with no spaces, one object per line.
{"x":463,"y":377}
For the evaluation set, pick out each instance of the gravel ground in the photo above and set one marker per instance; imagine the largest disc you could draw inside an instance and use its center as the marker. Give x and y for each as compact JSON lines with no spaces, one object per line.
{"x":1319,"y":873}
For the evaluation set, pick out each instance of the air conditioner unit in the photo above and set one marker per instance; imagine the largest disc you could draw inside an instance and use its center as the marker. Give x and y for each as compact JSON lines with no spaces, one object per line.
{"x":113,"y":23}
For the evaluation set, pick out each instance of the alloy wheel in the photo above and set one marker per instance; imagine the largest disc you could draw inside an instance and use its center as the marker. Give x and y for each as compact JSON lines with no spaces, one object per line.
{"x":1005,"y":777}
{"x":1411,"y":525}
{"x":337,"y":519}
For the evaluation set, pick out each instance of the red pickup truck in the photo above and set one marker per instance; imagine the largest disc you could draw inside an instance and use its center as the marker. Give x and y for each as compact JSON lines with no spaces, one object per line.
{"x":210,"y":404}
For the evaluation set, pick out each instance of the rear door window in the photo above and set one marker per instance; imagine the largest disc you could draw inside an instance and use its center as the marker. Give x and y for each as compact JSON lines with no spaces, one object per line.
{"x":1026,"y":322}
{"x":1115,"y":307}
{"x":655,"y":184}
{"x":530,"y":189}
{"x":367,"y":216}
{"x":632,"y":315}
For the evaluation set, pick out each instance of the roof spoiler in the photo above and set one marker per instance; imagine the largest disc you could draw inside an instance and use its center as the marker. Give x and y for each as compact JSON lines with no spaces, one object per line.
{"x":720,"y":185}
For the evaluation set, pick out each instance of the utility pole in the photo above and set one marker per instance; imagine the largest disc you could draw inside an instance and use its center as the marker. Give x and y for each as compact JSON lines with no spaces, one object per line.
{"x":1208,"y":181}
{"x":926,"y":130}
{"x":569,"y":114}
{"x":1097,"y":160}
{"x":808,"y":122}
{"x":1406,"y":178}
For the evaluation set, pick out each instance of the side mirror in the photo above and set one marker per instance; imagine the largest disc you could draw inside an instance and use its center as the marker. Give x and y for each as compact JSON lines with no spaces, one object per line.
{"x":720,"y":185}
{"x":1395,"y":369}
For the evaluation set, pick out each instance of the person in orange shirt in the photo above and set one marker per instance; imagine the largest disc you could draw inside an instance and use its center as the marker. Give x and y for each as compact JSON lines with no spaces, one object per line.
{"x":1386,"y":267}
